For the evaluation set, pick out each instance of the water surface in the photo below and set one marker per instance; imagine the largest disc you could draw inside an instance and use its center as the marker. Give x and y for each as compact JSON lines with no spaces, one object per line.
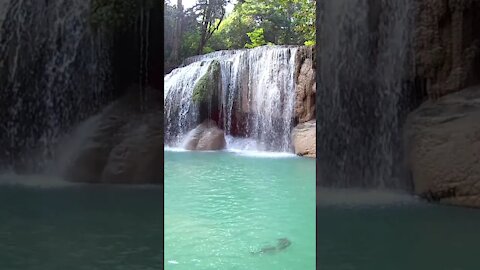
{"x":221,"y":206}
{"x":56,"y":225}
{"x":377,"y":230}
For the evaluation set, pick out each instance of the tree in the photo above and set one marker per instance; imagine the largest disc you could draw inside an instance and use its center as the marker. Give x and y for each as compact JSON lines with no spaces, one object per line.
{"x":177,"y":34}
{"x":304,"y":18}
{"x":206,"y":27}
{"x":257,"y":38}
{"x":212,"y":13}
{"x":283,"y":21}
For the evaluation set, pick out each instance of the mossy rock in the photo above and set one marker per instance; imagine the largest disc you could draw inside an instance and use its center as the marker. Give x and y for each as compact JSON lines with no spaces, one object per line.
{"x":208,"y":86}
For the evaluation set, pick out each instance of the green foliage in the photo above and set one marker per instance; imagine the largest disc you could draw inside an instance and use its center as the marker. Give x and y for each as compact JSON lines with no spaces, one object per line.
{"x":283,"y":22}
{"x":208,"y":84}
{"x":257,"y":38}
{"x":116,"y":14}
{"x":310,"y":43}
{"x":233,"y":31}
{"x":252,"y":23}
{"x":304,"y":18}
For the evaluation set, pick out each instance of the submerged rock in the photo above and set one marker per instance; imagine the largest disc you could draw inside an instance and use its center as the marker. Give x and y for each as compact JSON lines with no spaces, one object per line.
{"x":282,"y":244}
{"x":443,"y":148}
{"x":206,"y":136}
{"x":304,"y":139}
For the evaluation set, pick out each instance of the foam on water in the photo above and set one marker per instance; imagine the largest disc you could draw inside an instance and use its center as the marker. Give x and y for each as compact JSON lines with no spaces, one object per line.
{"x":249,"y":147}
{"x":34,"y":180}
{"x":263,"y":154}
{"x":362,"y":198}
{"x":243,"y":147}
{"x":175,"y":149}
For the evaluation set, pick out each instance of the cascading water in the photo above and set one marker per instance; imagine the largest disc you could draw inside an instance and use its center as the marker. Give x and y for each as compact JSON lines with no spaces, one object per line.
{"x":178,"y":100}
{"x":256,"y":99}
{"x":54,"y":71}
{"x":3,"y":10}
{"x":365,"y":67}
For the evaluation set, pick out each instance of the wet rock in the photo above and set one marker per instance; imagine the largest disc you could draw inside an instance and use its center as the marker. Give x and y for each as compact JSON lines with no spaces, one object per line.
{"x":135,"y":159}
{"x":443,"y":148}
{"x":281,"y":245}
{"x":304,"y":139}
{"x":124,"y":146}
{"x":206,"y":136}
{"x":305,"y":87}
{"x":207,"y":91}
{"x":447,"y":45}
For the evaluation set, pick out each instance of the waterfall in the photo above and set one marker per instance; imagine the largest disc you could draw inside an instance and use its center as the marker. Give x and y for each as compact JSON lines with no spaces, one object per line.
{"x":256,"y":100}
{"x":53,"y":73}
{"x":144,"y":33}
{"x":365,"y":68}
{"x":3,"y":10}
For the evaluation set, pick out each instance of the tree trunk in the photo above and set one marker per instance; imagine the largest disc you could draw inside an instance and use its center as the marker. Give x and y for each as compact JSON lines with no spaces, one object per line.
{"x":177,"y":35}
{"x":203,"y":37}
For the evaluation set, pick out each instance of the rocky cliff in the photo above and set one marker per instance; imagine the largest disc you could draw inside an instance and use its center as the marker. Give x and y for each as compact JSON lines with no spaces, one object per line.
{"x":304,"y":134}
{"x":442,"y":136}
{"x":447,"y":45}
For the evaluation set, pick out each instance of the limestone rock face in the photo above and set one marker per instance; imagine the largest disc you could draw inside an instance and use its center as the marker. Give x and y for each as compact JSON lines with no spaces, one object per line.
{"x":447,"y":47}
{"x":443,"y":148}
{"x":304,"y":139}
{"x":206,"y":136}
{"x":125,"y":146}
{"x":305,"y":87}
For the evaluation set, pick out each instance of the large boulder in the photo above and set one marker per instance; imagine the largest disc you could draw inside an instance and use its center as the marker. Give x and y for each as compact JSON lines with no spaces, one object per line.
{"x":124,"y":144}
{"x":304,"y":139}
{"x":206,"y":136}
{"x":443,"y":148}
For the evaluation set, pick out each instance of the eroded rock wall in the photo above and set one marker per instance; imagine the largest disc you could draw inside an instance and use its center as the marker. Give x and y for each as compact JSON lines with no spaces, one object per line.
{"x":305,"y":86}
{"x":447,"y":45}
{"x":442,"y":136}
{"x":304,"y":134}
